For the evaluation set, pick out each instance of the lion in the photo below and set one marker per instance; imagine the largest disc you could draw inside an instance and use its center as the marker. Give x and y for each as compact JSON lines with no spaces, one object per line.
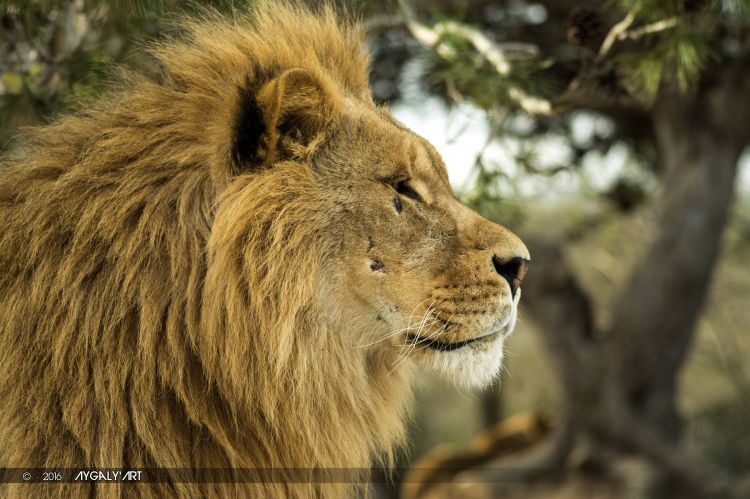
{"x":234,"y":261}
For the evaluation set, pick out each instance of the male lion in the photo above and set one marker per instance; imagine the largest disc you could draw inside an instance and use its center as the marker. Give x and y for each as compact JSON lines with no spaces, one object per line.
{"x":233,"y":263}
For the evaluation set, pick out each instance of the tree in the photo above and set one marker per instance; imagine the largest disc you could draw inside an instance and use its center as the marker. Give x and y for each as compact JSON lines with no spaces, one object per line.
{"x":55,"y":54}
{"x":674,"y":78}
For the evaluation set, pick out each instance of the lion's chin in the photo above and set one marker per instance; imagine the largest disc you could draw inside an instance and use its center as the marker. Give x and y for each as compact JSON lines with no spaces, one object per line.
{"x":476,"y":364}
{"x":473,"y":366}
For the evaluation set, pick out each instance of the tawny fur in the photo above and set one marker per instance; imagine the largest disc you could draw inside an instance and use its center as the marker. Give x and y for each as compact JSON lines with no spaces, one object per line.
{"x":234,"y":263}
{"x":158,"y":307}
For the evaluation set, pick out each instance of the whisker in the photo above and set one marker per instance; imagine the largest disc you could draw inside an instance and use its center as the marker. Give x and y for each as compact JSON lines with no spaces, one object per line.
{"x":397,"y":331}
{"x":389,"y":335}
{"x":505,"y":368}
{"x":466,"y":395}
{"x":427,"y":316}
{"x":407,"y":349}
{"x":441,"y":329}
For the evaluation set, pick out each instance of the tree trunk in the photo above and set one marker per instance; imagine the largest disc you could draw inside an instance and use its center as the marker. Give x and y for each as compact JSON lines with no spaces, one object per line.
{"x":660,"y":305}
{"x":619,"y":386}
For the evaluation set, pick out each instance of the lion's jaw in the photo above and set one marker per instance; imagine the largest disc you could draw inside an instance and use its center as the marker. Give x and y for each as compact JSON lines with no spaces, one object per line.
{"x":463,"y":347}
{"x":473,"y":363}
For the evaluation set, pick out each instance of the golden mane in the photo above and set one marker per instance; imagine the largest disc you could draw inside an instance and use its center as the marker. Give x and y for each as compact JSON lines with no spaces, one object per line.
{"x":158,"y":306}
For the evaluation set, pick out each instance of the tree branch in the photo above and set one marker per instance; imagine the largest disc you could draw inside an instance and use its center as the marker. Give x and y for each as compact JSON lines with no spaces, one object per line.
{"x":648,"y":29}
{"x":488,"y":48}
{"x":614,"y":33}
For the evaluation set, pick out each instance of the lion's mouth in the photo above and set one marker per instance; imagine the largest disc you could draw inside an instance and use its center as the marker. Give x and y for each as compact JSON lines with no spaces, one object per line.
{"x":444,"y":346}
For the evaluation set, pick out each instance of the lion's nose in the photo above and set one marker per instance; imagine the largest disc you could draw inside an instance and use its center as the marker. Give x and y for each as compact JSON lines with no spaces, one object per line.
{"x":512,"y":270}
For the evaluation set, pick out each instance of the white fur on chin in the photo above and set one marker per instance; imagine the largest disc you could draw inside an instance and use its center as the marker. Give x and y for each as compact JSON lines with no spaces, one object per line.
{"x":474,"y":366}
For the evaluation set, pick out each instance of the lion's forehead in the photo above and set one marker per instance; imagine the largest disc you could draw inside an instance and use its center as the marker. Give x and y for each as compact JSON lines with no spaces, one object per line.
{"x":428,"y":173}
{"x":415,"y":153}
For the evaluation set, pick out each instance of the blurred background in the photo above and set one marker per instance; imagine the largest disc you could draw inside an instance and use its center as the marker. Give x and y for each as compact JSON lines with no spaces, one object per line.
{"x":612,"y":136}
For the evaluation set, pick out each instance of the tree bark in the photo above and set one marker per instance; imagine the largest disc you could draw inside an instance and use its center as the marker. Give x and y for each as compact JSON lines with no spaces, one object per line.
{"x":700,"y":139}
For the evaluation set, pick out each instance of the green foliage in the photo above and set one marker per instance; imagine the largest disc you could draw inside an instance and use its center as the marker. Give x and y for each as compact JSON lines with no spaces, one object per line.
{"x":473,"y":77}
{"x":676,"y":60}
{"x":53,"y":53}
{"x":488,"y":197}
{"x":734,"y":9}
{"x":654,"y":10}
{"x":664,"y":45}
{"x":634,"y":52}
{"x":672,"y":44}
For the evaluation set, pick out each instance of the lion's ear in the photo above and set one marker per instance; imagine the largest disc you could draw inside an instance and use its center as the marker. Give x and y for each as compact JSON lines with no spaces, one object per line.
{"x":287,"y":118}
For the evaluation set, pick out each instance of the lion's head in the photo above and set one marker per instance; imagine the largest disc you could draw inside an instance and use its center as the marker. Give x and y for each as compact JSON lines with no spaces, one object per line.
{"x":408,"y":270}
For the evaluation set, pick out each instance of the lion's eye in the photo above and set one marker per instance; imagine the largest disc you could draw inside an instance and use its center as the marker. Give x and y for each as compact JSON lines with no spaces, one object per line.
{"x":405,"y":189}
